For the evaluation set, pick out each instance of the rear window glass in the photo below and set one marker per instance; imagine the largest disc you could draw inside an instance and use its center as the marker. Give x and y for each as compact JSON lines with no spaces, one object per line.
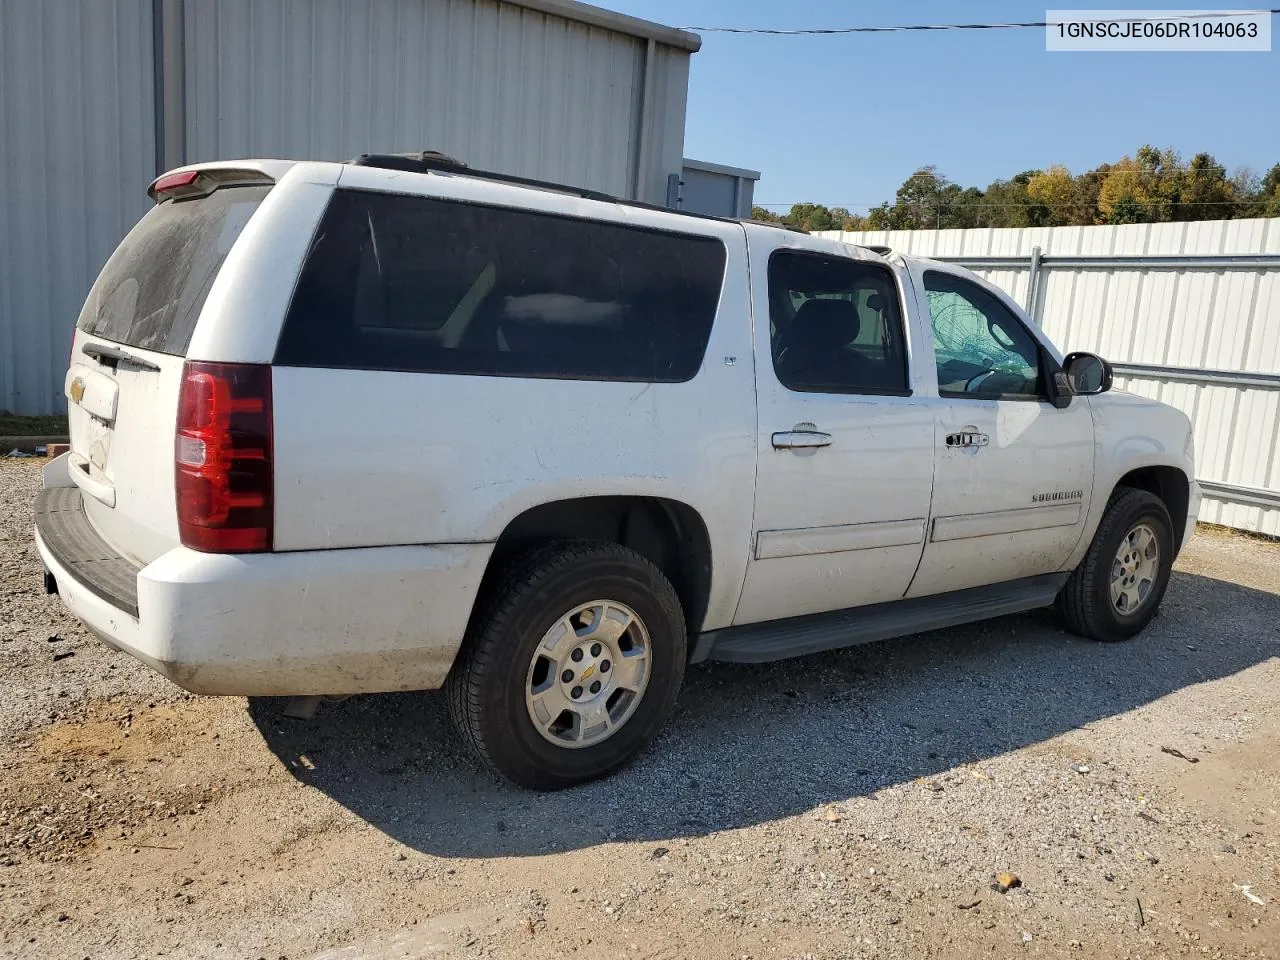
{"x":150,"y":292}
{"x":427,"y":285}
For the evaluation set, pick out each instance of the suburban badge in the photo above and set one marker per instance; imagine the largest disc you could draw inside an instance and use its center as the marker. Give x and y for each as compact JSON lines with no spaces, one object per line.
{"x":1057,"y":495}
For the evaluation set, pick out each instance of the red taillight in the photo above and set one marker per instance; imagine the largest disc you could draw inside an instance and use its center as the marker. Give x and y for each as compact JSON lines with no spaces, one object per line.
{"x":222,"y":457}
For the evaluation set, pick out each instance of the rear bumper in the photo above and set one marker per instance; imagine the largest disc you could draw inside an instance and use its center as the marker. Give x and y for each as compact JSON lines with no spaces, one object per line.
{"x":275,"y":624}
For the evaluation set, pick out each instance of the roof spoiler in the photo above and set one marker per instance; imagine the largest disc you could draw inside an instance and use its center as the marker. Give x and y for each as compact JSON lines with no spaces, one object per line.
{"x":187,"y":184}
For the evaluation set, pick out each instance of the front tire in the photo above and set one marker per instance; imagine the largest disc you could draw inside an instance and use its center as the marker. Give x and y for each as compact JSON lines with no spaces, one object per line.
{"x":571,"y":666}
{"x":1118,"y":586}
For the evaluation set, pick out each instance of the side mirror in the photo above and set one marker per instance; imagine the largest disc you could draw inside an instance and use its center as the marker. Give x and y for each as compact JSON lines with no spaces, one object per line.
{"x":1087,"y":373}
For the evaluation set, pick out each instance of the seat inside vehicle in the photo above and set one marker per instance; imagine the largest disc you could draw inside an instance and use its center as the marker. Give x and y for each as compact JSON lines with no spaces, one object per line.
{"x":817,"y":349}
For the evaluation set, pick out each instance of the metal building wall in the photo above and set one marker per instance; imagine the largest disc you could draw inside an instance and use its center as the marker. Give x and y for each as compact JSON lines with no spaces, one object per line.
{"x":498,"y":86}
{"x":1193,"y":319}
{"x":76,"y":155}
{"x":100,"y":94}
{"x":717,"y":190}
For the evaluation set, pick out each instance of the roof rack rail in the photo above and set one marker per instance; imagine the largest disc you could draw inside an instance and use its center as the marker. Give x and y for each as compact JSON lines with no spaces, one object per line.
{"x":430,"y":161}
{"x":762,"y":223}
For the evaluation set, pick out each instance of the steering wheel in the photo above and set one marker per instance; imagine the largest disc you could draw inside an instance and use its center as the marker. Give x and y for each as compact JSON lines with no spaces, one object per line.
{"x":999,"y":335}
{"x":973,"y":381}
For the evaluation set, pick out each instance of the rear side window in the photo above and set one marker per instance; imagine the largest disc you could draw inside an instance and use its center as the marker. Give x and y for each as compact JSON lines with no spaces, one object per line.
{"x":437,"y":286}
{"x":150,"y":292}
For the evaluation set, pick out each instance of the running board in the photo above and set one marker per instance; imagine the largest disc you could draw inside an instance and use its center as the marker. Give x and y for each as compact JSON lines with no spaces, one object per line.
{"x":796,"y":636}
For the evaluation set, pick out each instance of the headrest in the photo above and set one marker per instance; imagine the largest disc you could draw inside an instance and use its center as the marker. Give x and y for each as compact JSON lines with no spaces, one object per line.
{"x":825,"y":324}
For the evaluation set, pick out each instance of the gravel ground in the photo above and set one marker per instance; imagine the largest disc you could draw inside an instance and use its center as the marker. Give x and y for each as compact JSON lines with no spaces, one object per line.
{"x":41,"y":682}
{"x":844,"y":805}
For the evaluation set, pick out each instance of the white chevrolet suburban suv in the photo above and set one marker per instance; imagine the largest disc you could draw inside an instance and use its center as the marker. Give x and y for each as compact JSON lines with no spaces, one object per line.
{"x":396,"y":424}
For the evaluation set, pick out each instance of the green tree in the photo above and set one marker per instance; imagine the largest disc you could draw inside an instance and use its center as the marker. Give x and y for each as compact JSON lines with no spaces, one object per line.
{"x":1123,"y":193}
{"x":1088,"y":184}
{"x":919,"y":201}
{"x":1265,"y":202}
{"x":848,"y":221}
{"x":1068,"y":200}
{"x":881,"y":218}
{"x":1271,"y":182}
{"x":1145,"y":188}
{"x":764,"y":215}
{"x":1009,"y":204}
{"x":1205,"y":193}
{"x":810,"y":217}
{"x":959,"y":207}
{"x":1152,"y":186}
{"x":1054,"y":189}
{"x":1127,"y":209}
{"x":1163,"y":179}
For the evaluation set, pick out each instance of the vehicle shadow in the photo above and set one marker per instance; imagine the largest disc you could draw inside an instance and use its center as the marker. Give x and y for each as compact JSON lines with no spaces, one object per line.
{"x":753,"y":743}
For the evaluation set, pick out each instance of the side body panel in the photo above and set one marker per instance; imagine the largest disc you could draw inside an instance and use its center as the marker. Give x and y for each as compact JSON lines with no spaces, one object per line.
{"x":373,"y":458}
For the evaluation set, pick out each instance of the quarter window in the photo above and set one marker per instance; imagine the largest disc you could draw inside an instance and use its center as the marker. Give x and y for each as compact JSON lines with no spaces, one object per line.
{"x":421,"y":284}
{"x":983,"y":351}
{"x":835,"y":325}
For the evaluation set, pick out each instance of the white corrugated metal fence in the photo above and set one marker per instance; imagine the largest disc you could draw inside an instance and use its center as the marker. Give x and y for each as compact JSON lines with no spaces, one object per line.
{"x":1189,"y":313}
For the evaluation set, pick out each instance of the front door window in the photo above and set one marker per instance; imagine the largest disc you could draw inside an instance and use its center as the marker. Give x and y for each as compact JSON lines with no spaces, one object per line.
{"x":983,"y":351}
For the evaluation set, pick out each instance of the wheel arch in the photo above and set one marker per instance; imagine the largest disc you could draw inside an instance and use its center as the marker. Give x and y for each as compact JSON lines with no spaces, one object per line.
{"x":669,"y":533}
{"x":1171,"y":485}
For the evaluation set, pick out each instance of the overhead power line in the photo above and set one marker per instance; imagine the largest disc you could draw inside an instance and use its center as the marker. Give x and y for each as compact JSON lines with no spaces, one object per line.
{"x":903,"y":28}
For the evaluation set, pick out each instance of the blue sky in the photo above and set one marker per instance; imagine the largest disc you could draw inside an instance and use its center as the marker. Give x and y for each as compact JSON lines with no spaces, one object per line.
{"x":844,"y":120}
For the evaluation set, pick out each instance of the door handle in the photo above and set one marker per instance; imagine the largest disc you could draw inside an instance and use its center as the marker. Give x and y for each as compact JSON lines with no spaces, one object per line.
{"x":800,"y":439}
{"x":968,"y":438}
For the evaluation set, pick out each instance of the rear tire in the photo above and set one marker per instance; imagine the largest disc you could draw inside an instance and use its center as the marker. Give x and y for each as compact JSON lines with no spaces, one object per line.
{"x":1117,"y":588}
{"x":571,"y":665}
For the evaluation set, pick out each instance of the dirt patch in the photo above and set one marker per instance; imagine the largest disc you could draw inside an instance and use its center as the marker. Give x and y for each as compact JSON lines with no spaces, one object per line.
{"x":108,"y":777}
{"x":104,"y":730}
{"x":855,"y":804}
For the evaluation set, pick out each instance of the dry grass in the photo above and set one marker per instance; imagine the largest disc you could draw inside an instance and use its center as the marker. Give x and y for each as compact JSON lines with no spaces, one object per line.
{"x":12,"y":425}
